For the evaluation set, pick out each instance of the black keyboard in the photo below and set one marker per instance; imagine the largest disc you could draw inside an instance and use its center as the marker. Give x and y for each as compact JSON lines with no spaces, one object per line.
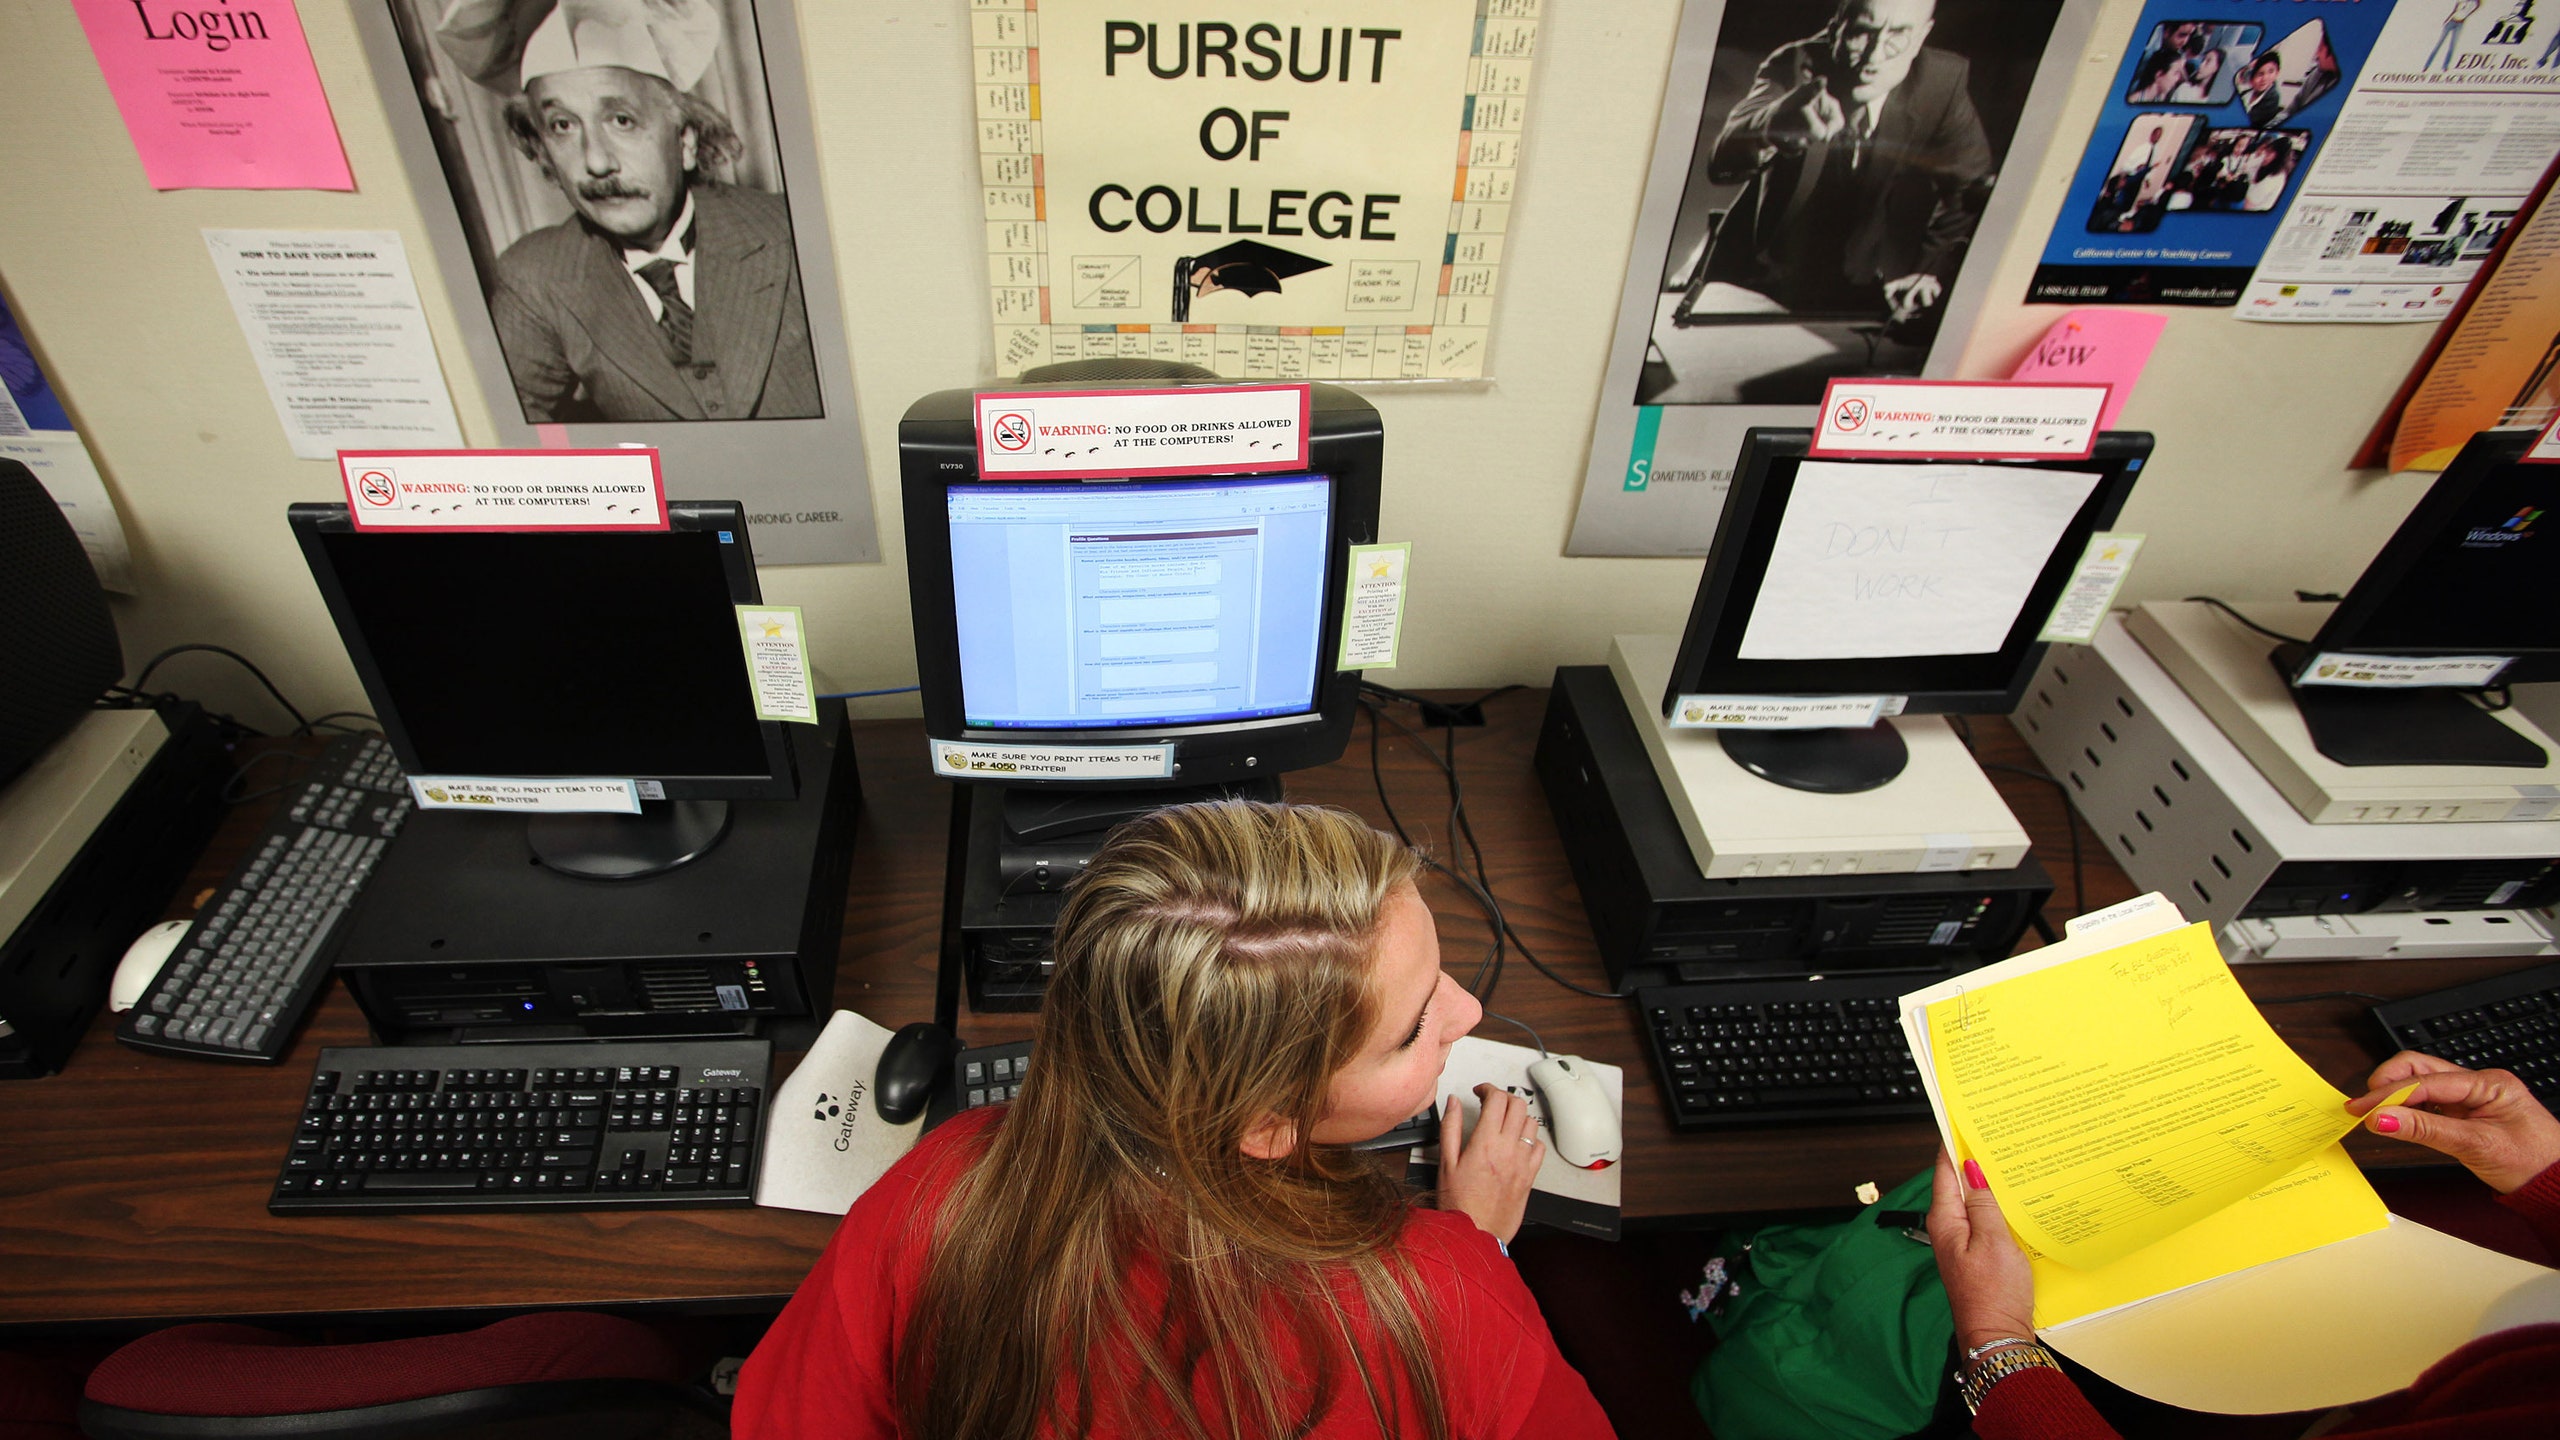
{"x":582,"y":1125}
{"x":2511,"y":1022}
{"x":258,"y":955}
{"x":992,"y":1075}
{"x":1757,"y":1051}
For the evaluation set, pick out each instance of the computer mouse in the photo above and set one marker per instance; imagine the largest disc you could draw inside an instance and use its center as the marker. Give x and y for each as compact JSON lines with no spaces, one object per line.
{"x":1579,"y":1115}
{"x":916,"y":1059}
{"x":142,"y":960}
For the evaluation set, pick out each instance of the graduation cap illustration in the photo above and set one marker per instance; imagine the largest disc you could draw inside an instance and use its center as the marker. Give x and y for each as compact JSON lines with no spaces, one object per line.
{"x":1248,"y":267}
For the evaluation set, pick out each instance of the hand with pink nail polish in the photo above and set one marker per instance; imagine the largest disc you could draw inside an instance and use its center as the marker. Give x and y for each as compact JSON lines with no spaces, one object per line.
{"x":1989,"y":1286}
{"x":2487,"y":1119}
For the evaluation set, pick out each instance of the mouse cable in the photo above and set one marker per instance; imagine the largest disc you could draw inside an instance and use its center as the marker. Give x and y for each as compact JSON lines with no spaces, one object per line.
{"x":1489,"y":969}
{"x":1543,"y":1051}
{"x":1466,"y":828}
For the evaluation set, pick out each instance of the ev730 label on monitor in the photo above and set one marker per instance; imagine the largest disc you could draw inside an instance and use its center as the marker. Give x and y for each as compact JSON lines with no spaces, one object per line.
{"x":977,"y":760}
{"x":469,"y":792}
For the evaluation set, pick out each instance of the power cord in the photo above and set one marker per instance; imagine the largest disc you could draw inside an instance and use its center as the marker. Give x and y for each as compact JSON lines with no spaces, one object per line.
{"x":2226,"y":609}
{"x":2070,"y":820}
{"x":139,"y":690}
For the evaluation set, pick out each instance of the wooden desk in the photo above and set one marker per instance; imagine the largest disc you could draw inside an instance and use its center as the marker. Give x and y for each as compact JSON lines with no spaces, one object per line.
{"x":133,"y":1187}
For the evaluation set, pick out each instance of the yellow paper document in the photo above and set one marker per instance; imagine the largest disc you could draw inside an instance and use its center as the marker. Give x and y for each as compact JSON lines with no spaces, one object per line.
{"x":2115,"y":1100}
{"x":2320,"y":1202}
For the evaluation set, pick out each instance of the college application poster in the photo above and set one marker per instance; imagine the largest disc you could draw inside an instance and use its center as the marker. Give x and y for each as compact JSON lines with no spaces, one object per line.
{"x":2432,"y":157}
{"x":2495,"y":363}
{"x":630,"y":190}
{"x":2218,"y":111}
{"x":1317,"y":189}
{"x":1831,"y":186}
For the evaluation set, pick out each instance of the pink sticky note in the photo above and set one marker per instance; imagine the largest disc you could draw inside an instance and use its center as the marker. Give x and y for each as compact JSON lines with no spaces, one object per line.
{"x":218,"y":94}
{"x":2105,"y":346}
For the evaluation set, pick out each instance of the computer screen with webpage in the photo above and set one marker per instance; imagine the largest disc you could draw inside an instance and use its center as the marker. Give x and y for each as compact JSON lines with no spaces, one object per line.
{"x":1098,"y":605}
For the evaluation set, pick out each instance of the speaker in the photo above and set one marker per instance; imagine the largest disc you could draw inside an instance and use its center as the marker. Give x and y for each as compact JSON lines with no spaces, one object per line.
{"x":58,"y":650}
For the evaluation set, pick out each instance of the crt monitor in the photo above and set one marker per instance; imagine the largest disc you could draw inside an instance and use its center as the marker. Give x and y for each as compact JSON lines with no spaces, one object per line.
{"x":2471,"y":574}
{"x":1921,"y":582}
{"x":1115,"y":613}
{"x":565,"y":654}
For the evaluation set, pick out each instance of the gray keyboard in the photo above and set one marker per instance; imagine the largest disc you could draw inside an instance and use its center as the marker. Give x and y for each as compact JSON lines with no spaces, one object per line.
{"x":258,"y":956}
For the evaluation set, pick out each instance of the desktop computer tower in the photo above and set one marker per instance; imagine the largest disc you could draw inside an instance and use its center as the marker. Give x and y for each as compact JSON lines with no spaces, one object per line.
{"x":95,"y":834}
{"x":2185,"y":811}
{"x":1658,"y":920}
{"x":461,"y":936}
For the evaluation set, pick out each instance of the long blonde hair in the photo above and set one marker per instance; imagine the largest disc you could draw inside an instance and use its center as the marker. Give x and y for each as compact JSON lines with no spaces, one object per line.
{"x":1213,"y":971}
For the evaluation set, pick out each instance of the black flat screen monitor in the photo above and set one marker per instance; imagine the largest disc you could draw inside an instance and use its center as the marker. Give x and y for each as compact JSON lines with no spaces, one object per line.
{"x":2472,"y":572}
{"x":1111,"y":611}
{"x":560,"y":654}
{"x":1923,"y":581}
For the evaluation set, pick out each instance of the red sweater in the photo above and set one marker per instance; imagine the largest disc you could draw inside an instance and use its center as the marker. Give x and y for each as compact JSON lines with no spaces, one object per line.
{"x":828,"y":1365}
{"x":2506,"y":1384}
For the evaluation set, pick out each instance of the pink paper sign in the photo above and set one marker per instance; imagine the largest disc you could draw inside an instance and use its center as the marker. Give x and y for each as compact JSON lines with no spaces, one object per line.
{"x":218,"y":94}
{"x":2105,"y":347}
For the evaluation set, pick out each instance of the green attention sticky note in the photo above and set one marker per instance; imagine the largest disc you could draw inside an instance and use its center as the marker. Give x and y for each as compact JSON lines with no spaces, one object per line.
{"x":778,"y":662}
{"x":1373,"y":606}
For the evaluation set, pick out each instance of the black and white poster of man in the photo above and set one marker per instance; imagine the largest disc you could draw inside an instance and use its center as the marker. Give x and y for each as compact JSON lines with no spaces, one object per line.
{"x":619,"y":180}
{"x":1824,"y":173}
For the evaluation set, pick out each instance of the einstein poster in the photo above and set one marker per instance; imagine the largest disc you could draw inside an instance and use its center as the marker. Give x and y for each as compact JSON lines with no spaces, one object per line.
{"x":1301,"y":189}
{"x":629,"y":188}
{"x":1832,"y":183}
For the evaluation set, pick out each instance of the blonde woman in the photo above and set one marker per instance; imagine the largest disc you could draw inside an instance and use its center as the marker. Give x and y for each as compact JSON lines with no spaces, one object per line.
{"x":1162,"y":1236}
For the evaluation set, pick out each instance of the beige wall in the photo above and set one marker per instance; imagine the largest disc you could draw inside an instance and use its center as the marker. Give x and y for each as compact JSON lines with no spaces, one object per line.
{"x":2248,"y":497}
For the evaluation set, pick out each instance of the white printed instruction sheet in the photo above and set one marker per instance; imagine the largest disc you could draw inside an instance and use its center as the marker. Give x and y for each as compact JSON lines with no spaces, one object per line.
{"x":333,"y":320}
{"x":1879,"y":560}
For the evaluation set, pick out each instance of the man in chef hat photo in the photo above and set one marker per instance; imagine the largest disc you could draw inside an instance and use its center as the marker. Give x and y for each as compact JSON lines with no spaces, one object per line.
{"x":669,"y":290}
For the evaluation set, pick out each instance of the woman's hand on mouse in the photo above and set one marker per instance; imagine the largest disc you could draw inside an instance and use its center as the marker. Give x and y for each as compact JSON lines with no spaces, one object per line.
{"x":1989,"y":1286}
{"x":2487,"y":1119}
{"x":1488,"y":1178}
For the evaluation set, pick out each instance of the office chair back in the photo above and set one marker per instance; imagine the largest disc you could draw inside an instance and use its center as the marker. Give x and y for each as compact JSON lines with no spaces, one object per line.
{"x":559,"y":1376}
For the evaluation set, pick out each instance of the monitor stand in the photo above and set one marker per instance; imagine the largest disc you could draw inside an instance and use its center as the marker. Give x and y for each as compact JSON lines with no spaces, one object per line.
{"x":1935,"y":811}
{"x":2423,"y":726}
{"x":1826,"y":762}
{"x":664,"y":835}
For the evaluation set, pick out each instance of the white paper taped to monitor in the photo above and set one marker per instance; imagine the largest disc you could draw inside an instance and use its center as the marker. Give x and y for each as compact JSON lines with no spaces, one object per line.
{"x":1882,"y":560}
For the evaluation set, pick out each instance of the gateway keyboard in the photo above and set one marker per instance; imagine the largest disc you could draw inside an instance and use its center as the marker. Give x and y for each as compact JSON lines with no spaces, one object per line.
{"x":587,"y":1125}
{"x":1751,"y":1052}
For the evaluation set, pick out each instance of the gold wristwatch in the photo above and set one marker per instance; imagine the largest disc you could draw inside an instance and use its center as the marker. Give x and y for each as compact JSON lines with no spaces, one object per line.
{"x":1975,"y":1380}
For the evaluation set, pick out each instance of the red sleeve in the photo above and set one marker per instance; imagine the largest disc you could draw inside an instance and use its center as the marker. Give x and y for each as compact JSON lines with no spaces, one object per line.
{"x":828,"y":1365}
{"x":1500,"y":1370}
{"x":2039,"y":1404}
{"x":2538,"y":1201}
